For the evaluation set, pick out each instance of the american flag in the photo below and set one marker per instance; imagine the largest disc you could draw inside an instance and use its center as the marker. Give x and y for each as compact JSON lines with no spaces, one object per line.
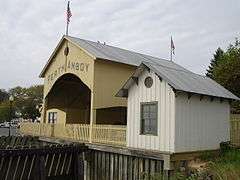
{"x":172,"y":46}
{"x":69,"y":14}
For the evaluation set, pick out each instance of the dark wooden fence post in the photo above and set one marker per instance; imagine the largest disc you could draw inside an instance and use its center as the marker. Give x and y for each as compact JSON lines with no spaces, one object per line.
{"x":40,"y":169}
{"x":78,"y":166}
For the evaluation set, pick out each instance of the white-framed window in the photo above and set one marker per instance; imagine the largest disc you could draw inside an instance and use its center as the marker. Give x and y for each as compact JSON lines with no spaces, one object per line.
{"x":52,"y":117}
{"x":149,"y":114}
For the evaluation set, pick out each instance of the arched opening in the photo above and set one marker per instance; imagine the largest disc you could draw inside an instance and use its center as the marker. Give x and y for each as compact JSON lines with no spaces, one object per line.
{"x":69,"y":101}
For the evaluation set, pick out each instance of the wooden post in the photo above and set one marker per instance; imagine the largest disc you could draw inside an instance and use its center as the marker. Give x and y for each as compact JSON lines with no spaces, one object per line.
{"x":40,"y":170}
{"x":78,"y":166}
{"x":44,"y":110}
{"x":92,"y":119}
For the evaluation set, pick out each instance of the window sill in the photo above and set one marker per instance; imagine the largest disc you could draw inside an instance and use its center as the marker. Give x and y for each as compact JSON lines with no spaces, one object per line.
{"x":148,"y":134}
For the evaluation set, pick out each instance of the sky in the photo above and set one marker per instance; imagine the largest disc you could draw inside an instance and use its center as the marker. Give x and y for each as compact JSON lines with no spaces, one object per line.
{"x":30,"y":30}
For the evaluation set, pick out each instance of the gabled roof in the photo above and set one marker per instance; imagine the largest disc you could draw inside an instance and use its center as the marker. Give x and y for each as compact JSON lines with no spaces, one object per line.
{"x":182,"y":80}
{"x":178,"y":77}
{"x":100,"y":51}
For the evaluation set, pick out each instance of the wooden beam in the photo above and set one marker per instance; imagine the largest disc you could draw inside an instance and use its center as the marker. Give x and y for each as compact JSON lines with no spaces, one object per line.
{"x":157,"y":155}
{"x":125,"y":92}
{"x":159,"y":77}
{"x":221,"y":100}
{"x":78,"y":166}
{"x":212,"y":98}
{"x":148,"y":69}
{"x":189,"y":95}
{"x":135,"y":79}
{"x":40,"y":170}
{"x":92,"y":118}
{"x":175,"y":92}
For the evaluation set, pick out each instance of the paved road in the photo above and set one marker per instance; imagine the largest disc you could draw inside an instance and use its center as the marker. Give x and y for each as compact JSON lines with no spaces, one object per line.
{"x":4,"y":131}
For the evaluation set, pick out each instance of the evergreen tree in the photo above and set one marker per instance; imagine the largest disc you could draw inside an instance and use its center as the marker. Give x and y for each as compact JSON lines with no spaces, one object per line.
{"x":225,"y":69}
{"x":214,"y":62}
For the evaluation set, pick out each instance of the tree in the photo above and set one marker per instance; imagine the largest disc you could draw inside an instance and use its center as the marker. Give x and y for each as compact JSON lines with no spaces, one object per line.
{"x":225,"y":69}
{"x":217,"y":57}
{"x":5,"y":112}
{"x":34,"y":96}
{"x":3,"y":95}
{"x":26,"y":100}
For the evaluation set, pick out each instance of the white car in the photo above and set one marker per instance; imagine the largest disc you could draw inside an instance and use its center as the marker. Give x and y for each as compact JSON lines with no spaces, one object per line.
{"x":4,"y":125}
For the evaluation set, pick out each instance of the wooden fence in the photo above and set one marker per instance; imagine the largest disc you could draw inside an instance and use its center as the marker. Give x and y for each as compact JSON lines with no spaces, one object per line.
{"x":235,"y":129}
{"x":104,"y":134}
{"x":24,"y":158}
{"x":27,"y":158}
{"x":117,"y":166}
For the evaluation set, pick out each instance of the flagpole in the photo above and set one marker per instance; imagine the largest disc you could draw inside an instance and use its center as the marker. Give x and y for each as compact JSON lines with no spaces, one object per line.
{"x":68,"y":13}
{"x":170,"y":53}
{"x":67,"y":29}
{"x":172,"y":48}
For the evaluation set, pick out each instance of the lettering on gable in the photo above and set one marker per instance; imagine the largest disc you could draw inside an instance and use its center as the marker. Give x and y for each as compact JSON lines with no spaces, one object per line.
{"x":74,"y":66}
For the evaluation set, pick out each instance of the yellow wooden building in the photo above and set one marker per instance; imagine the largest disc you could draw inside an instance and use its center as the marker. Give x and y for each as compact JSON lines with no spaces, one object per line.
{"x":81,"y":79}
{"x":80,"y":84}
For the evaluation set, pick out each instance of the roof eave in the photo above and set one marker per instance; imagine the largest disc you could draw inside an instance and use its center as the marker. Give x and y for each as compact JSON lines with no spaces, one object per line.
{"x":51,"y":57}
{"x":64,"y":37}
{"x":130,"y":80}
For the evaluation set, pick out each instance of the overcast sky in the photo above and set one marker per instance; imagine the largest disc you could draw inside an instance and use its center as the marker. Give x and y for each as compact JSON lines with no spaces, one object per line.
{"x":30,"y":30}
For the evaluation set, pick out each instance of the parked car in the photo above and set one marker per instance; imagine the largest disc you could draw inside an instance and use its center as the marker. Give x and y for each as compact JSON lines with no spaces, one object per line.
{"x":4,"y":125}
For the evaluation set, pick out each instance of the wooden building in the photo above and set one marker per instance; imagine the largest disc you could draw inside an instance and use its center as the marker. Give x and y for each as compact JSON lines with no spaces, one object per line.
{"x":100,"y":94}
{"x":174,"y":110}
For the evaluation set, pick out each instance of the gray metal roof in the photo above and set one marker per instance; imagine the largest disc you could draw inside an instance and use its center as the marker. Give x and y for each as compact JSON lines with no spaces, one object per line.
{"x":183,"y":80}
{"x":116,"y":54}
{"x":106,"y":52}
{"x":177,"y":76}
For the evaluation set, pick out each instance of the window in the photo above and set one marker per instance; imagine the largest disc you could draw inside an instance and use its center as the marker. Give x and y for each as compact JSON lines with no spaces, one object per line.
{"x":52,"y":117}
{"x":149,"y":118}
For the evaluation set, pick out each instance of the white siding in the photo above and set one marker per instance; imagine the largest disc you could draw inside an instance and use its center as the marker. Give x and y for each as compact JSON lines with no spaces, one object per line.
{"x":164,"y":95}
{"x":200,"y":125}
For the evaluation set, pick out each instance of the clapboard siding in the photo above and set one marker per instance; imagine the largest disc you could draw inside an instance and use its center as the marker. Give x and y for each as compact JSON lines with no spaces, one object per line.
{"x":164,"y":95}
{"x":200,"y":124}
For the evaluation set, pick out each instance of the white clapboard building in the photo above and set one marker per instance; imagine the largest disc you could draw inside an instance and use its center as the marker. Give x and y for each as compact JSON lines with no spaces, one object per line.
{"x":171,"y":109}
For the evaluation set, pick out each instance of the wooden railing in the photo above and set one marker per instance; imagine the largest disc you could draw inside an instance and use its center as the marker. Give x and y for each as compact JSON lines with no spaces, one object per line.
{"x":104,"y":134}
{"x":235,"y":129}
{"x":109,"y":134}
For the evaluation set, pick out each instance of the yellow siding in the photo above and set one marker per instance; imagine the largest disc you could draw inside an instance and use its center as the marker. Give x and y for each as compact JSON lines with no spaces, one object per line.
{"x":104,"y":79}
{"x":77,"y":62}
{"x":108,"y":79}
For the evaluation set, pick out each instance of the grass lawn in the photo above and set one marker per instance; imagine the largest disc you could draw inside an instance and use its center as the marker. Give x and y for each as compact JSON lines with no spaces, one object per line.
{"x":225,"y":166}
